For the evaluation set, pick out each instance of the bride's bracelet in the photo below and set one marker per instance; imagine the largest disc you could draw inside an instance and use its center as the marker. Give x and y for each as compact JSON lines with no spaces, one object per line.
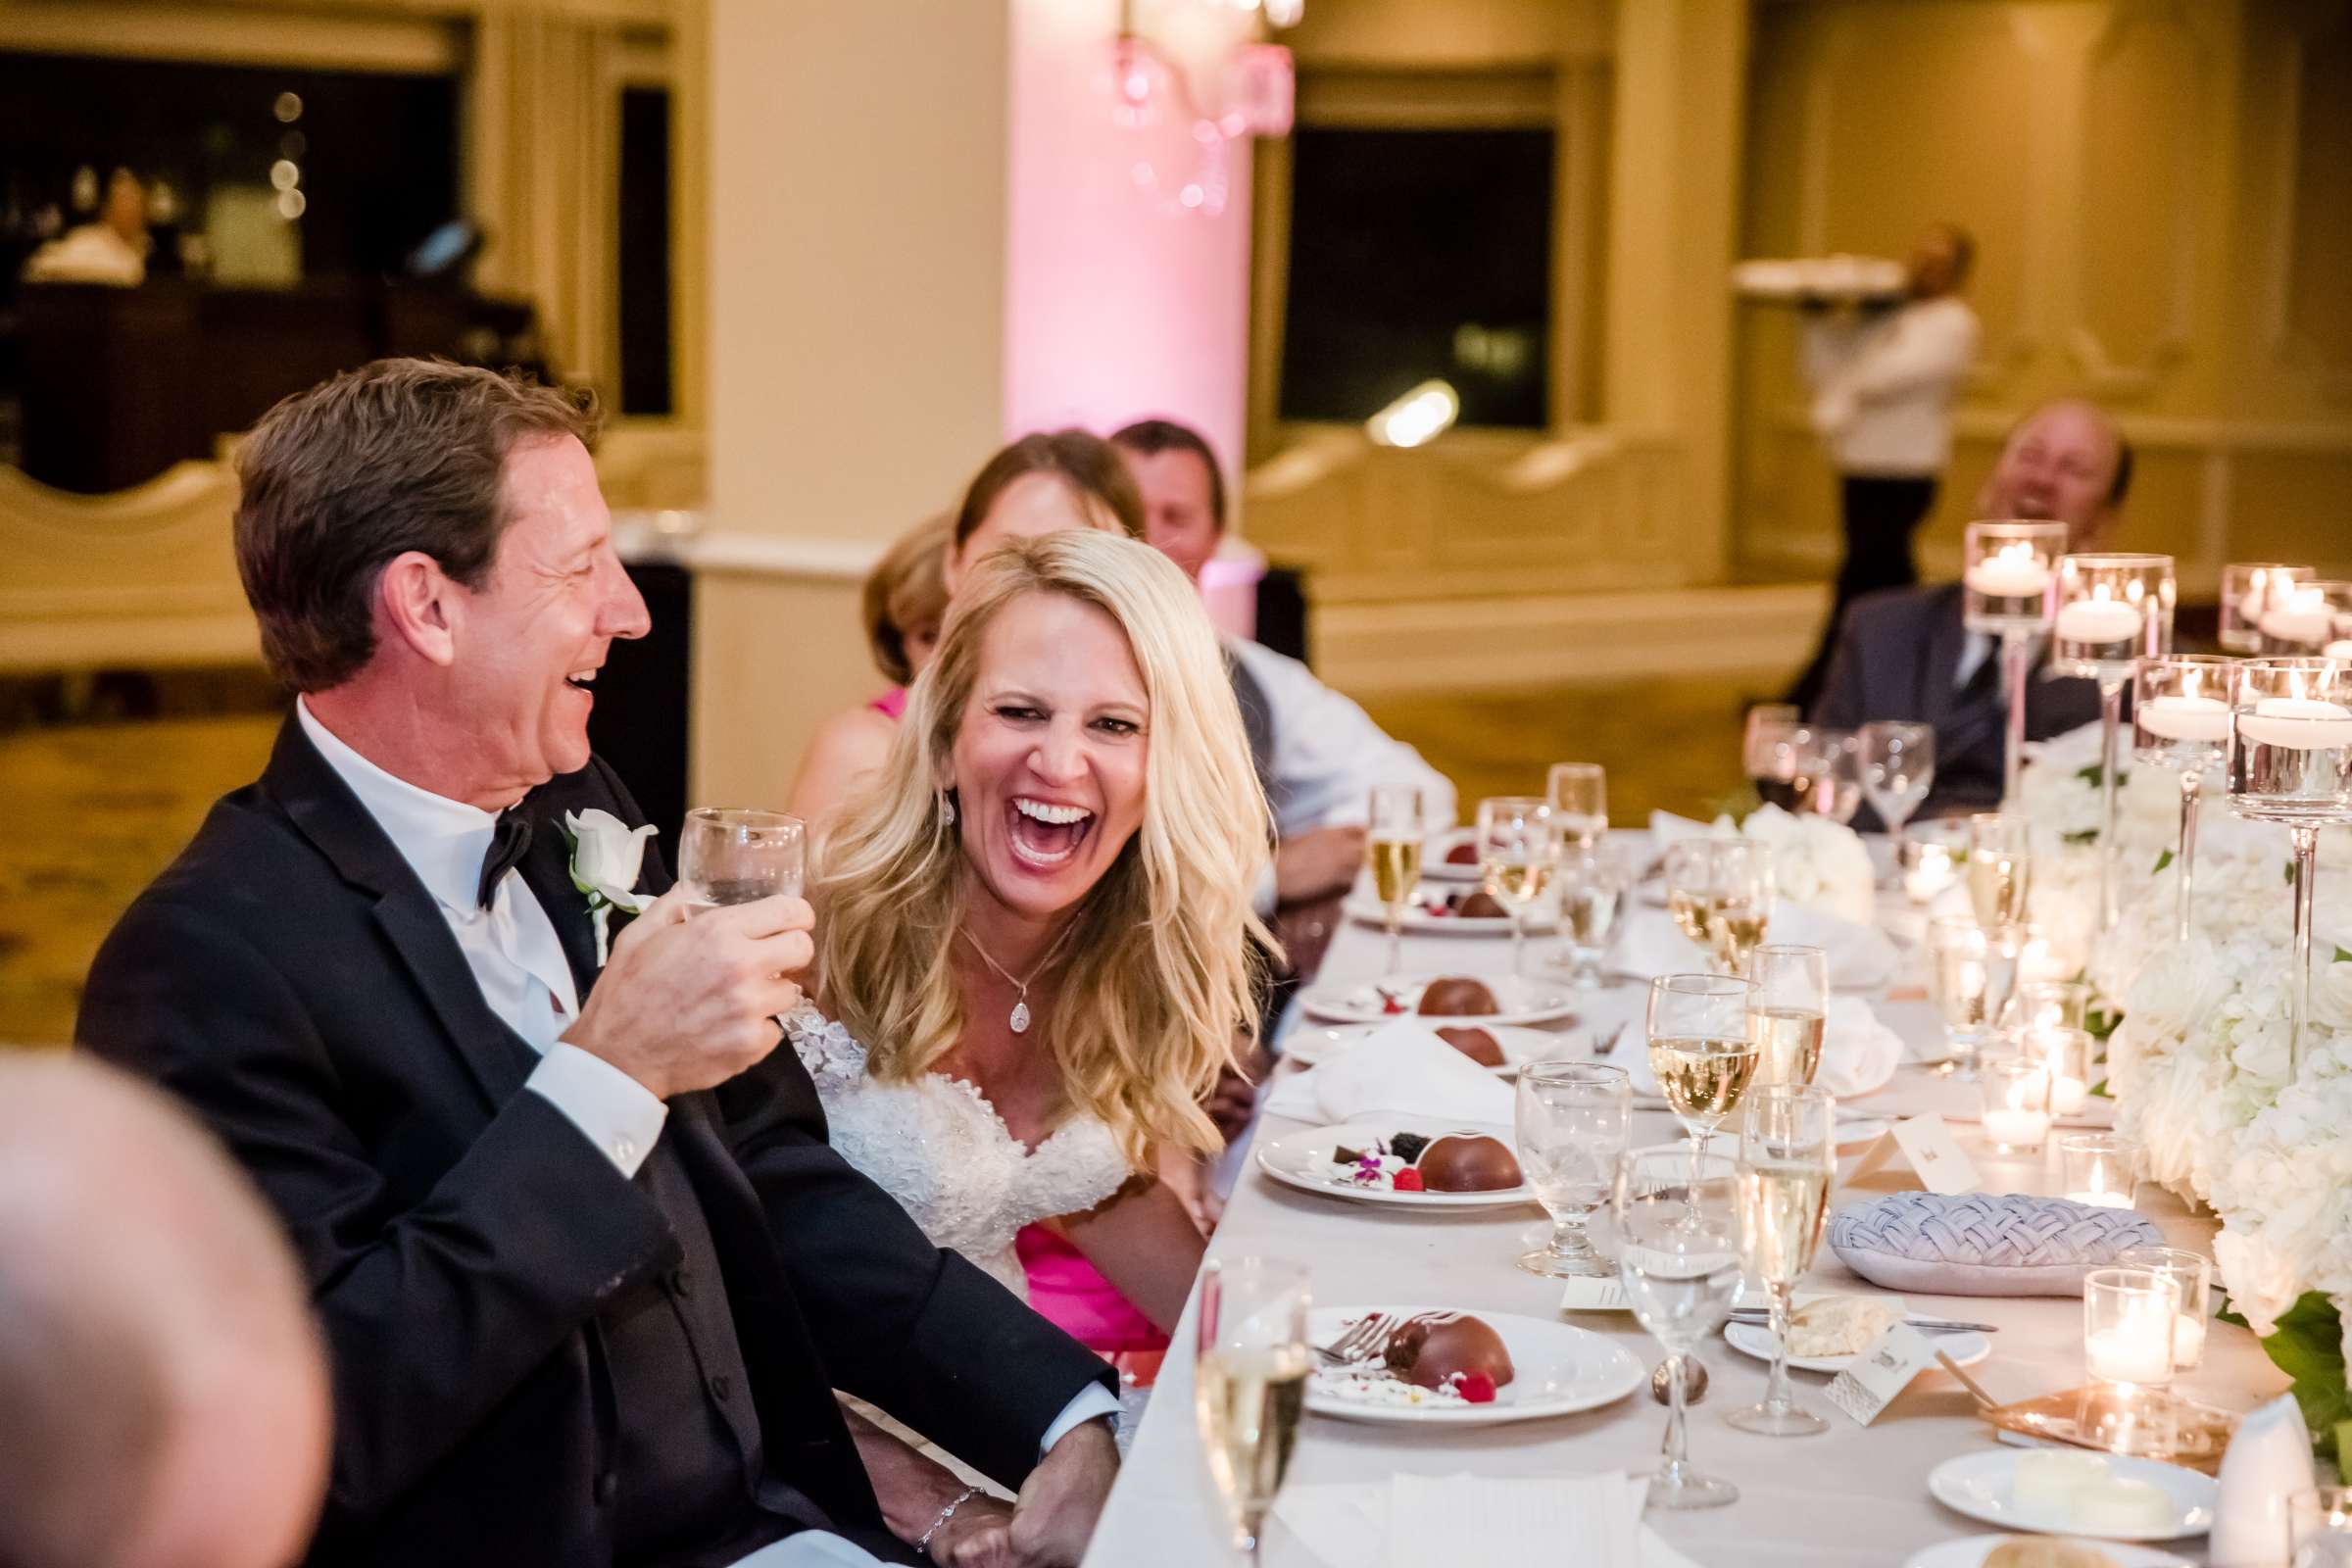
{"x":946,"y":1515}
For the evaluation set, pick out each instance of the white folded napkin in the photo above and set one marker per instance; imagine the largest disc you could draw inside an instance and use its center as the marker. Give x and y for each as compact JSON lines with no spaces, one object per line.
{"x":1861,"y":958}
{"x":1667,"y":828}
{"x":1858,"y":1053}
{"x":1403,"y":1067}
{"x":1412,"y":1521}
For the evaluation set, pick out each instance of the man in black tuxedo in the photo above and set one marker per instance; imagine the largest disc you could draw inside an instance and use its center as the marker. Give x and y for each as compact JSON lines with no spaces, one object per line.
{"x":588,"y":1272}
{"x":1903,"y":653}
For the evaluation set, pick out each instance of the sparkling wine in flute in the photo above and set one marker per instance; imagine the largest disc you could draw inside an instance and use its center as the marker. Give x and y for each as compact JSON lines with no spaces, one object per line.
{"x":1788,"y":1043}
{"x":1733,"y":927}
{"x":1997,"y":884}
{"x":1249,"y":1402}
{"x":1516,"y":882}
{"x":1396,"y":869}
{"x":1689,"y":912}
{"x":1590,"y":910}
{"x":1782,"y":1208}
{"x":1702,"y":1079}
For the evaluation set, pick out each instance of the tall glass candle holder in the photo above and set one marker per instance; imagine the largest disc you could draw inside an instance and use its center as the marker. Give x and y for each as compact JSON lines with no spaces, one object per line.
{"x":2113,"y":611}
{"x":2181,"y":723}
{"x":2009,"y":590}
{"x":2246,"y":590}
{"x":2290,"y":761}
{"x":2303,"y":618}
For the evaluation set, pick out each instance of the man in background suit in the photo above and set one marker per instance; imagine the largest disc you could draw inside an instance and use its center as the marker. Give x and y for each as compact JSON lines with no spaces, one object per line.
{"x":1904,"y":654}
{"x":588,"y":1271}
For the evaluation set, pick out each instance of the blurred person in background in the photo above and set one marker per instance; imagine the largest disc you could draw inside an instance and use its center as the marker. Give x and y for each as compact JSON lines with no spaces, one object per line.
{"x":162,"y":1396}
{"x":1883,"y":385}
{"x":111,"y":250}
{"x":1904,"y":654}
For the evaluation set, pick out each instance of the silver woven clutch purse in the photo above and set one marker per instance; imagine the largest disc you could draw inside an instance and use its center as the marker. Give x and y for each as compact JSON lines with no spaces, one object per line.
{"x":1973,"y":1245}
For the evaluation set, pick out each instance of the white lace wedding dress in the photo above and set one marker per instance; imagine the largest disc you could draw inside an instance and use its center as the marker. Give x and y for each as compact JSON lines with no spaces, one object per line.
{"x":941,"y":1149}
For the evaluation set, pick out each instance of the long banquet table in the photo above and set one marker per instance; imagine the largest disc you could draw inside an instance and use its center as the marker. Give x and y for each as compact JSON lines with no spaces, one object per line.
{"x":1853,"y":1495}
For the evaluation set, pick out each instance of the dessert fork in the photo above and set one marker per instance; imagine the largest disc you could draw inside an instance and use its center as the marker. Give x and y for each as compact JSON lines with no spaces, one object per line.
{"x":1357,"y":1342}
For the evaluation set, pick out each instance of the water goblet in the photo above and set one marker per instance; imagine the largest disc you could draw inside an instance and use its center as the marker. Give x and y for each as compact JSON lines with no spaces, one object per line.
{"x":1515,"y":854}
{"x":1699,"y":1049}
{"x":1676,"y":1224}
{"x":1787,"y":1154}
{"x":1593,"y":884}
{"x":1899,"y":768}
{"x":1573,"y":1121}
{"x":1771,"y":753}
{"x":1834,"y":760}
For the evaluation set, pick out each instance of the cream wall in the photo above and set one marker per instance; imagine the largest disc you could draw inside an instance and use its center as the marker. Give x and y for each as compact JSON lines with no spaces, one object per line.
{"x":2162,"y":193}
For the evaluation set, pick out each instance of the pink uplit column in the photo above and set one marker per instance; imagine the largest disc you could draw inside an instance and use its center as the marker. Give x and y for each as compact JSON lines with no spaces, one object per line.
{"x":1118,"y":302}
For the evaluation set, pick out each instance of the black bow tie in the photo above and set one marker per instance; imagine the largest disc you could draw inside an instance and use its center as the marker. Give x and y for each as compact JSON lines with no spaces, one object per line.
{"x":509,"y":842}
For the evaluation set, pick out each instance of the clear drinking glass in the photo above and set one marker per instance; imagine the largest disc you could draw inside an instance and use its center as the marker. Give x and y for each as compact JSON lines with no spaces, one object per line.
{"x":2181,"y":723}
{"x":731,"y":855}
{"x":2193,"y":1274}
{"x":1392,"y":847}
{"x":1770,"y":755}
{"x":1959,"y":973}
{"x":1579,"y":796}
{"x":1837,"y":767}
{"x":1740,"y":908}
{"x":2290,"y":761}
{"x":1250,"y":1382}
{"x":1594,"y":883}
{"x":1676,"y":1220}
{"x":1899,"y":768}
{"x":2129,"y":1315}
{"x":1515,"y":854}
{"x":2246,"y":591}
{"x":1691,"y":888}
{"x":1573,"y":1121}
{"x":1699,"y":1050}
{"x":2319,"y":1528}
{"x":1788,"y":1155}
{"x":1787,"y":1009}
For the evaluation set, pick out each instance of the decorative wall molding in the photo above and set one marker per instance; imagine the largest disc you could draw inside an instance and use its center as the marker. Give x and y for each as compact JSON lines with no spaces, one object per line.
{"x":2289,"y":345}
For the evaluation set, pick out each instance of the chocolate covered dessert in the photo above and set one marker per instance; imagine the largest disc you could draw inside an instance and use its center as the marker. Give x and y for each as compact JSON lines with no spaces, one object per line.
{"x":1475,"y":1042}
{"x":1437,"y":1350}
{"x":1481,"y":906}
{"x":1467,"y":1162}
{"x":1456,"y":995}
{"x":1462,"y":853}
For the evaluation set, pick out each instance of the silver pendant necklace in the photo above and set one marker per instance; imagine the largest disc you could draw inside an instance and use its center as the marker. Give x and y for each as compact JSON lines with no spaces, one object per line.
{"x":1018,"y":1022}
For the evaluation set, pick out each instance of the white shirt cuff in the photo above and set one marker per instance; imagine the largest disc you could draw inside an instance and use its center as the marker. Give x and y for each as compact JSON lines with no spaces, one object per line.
{"x":1266,"y":894}
{"x":1094,"y":1403}
{"x":619,"y":1114}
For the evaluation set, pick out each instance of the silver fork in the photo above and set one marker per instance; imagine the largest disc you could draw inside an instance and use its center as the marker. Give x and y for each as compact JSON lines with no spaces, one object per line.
{"x":1357,"y":1342}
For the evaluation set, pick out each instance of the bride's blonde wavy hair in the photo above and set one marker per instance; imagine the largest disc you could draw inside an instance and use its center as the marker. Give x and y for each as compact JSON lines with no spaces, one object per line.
{"x":1160,"y":972}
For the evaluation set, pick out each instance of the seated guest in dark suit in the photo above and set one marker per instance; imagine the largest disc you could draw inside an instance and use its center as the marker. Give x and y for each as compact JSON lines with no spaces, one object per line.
{"x":162,"y":1401}
{"x":588,"y":1272}
{"x":1903,"y":654}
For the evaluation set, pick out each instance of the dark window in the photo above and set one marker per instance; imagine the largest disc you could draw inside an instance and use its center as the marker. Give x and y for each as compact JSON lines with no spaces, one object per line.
{"x":645,"y":251}
{"x":1417,"y":254}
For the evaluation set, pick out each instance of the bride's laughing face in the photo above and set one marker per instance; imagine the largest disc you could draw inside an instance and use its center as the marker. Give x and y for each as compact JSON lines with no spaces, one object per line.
{"x":1048,"y":759}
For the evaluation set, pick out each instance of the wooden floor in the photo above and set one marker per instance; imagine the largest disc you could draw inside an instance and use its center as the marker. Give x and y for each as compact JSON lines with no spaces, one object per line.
{"x":96,"y":809}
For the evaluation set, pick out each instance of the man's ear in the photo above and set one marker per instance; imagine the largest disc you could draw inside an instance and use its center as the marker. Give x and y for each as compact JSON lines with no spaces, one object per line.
{"x":419,"y":604}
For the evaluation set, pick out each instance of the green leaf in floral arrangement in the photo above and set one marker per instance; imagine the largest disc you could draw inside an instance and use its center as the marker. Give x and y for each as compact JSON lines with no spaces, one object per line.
{"x":2308,"y":1347}
{"x":2093,"y":774}
{"x":2341,"y":956}
{"x":2100,"y":1090}
{"x":2089,"y":835}
{"x":2100,"y":1022}
{"x":2163,"y":860}
{"x":2343,"y":1451}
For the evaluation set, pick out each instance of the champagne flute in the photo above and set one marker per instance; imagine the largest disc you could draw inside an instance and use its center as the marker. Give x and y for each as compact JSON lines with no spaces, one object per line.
{"x":1740,"y":907}
{"x":1899,"y":768}
{"x":1678,"y":1253}
{"x":1514,"y":854}
{"x":1579,"y":796}
{"x":1699,"y":1049}
{"x":1573,"y":1121}
{"x":1592,"y":887}
{"x":1786,"y":1012}
{"x":731,"y":855}
{"x":1250,"y":1382}
{"x":1959,"y":984}
{"x":1787,"y":1152}
{"x":1393,"y":846}
{"x":2000,"y":886}
{"x":1690,"y":887}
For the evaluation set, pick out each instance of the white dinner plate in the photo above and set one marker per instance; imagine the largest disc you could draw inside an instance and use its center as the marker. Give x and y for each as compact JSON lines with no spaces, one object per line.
{"x":1418,"y":921}
{"x":1982,"y":1485}
{"x":1556,"y":1370}
{"x":1972,"y":1553}
{"x":1518,"y":1000}
{"x":1435,"y":867}
{"x":1311,"y":1044}
{"x":1302,"y":1159}
{"x":1753,"y":1338}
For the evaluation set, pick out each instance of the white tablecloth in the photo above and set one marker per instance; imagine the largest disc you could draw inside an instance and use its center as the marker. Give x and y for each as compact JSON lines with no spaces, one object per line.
{"x":1855,"y":1496}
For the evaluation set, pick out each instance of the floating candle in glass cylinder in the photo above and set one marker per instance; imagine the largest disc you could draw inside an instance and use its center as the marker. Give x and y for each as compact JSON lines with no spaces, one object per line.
{"x":2298,"y":623}
{"x":2247,"y":588}
{"x":2185,"y":719}
{"x":2112,"y":609}
{"x":2007,"y":570}
{"x":2096,"y":1168}
{"x":2129,"y":1315}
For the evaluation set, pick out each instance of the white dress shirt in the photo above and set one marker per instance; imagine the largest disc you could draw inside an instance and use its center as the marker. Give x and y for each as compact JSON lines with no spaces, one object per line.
{"x":1883,"y":385}
{"x":519,"y":962}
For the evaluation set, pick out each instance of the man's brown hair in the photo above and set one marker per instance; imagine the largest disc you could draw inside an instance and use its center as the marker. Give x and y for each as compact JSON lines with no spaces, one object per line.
{"x":396,"y":455}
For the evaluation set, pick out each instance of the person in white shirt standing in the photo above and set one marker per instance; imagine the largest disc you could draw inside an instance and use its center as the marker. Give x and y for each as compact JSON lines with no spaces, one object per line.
{"x":1882,"y":387}
{"x":1322,"y":752}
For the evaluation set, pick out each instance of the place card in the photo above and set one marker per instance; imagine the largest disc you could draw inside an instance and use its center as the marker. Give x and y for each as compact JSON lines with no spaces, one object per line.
{"x":1884,"y":1369}
{"x":1928,"y":1147}
{"x":1594,"y":1296}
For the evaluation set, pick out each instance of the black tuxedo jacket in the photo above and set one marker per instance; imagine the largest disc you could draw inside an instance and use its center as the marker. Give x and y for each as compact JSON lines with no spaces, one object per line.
{"x":290,"y":978}
{"x":1898,"y":652}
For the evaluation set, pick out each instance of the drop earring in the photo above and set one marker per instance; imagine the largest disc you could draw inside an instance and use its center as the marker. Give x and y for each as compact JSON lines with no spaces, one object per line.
{"x":947,"y":808}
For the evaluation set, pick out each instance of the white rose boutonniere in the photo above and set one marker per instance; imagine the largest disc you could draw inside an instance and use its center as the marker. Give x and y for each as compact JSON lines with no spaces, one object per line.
{"x":607,"y":857}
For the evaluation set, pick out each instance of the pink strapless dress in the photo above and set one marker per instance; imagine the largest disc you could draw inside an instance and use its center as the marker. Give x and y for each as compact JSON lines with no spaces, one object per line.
{"x":892,"y":704}
{"x":1074,"y":1296}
